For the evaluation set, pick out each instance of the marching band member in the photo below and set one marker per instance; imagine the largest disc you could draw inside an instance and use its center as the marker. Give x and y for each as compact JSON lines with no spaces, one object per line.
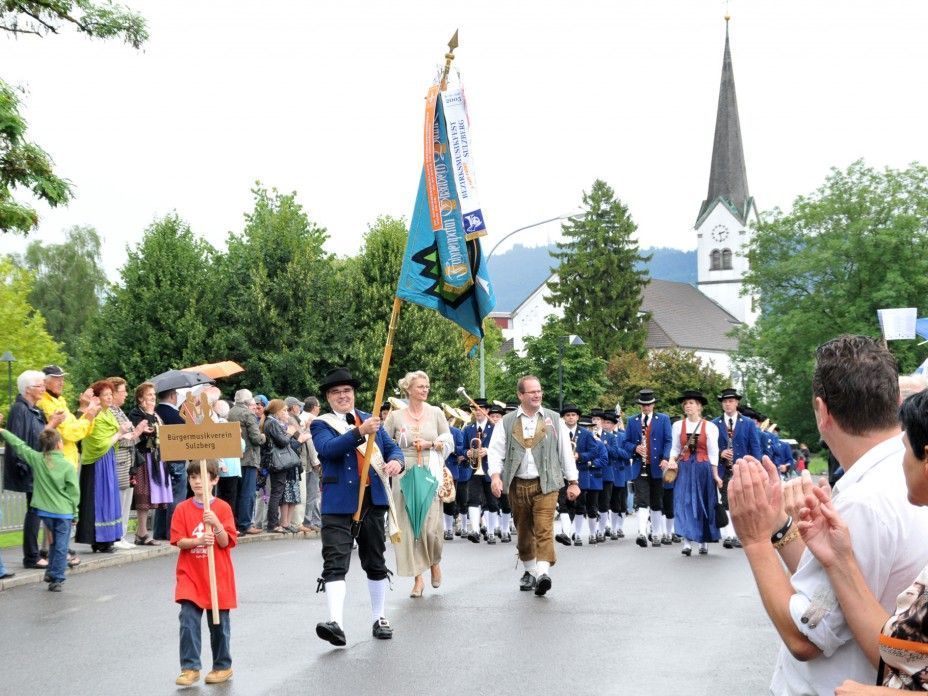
{"x":695,"y":455}
{"x":647,"y":443}
{"x":610,"y":440}
{"x":477,"y":436}
{"x":461,"y":472}
{"x":495,"y":414}
{"x":588,"y":455}
{"x":738,"y":437}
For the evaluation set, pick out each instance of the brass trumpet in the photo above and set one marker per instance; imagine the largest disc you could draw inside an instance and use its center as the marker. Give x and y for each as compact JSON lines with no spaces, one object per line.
{"x":475,"y":444}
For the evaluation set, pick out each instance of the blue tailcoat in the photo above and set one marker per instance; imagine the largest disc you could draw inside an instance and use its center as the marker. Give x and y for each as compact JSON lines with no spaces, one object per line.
{"x":746,"y":440}
{"x":658,"y":447}
{"x":460,"y":470}
{"x":340,"y":480}
{"x":470,"y":432}
{"x":609,"y":442}
{"x":621,"y":462}
{"x":592,"y":457}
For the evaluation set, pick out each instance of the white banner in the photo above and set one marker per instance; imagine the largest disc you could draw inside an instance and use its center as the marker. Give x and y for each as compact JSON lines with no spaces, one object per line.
{"x":463,"y":162}
{"x":897,"y":323}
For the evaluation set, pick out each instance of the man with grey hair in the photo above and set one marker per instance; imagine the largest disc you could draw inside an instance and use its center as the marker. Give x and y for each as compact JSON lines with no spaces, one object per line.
{"x":242,"y":414}
{"x":312,"y":520}
{"x":911,"y":384}
{"x":27,"y":421}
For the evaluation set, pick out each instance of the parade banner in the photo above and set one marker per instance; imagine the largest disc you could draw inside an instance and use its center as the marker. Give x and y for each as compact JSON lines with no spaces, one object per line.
{"x":443,"y":266}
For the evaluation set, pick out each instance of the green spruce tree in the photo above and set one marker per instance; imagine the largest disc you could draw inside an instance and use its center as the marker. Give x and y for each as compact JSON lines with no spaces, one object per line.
{"x":600,"y":277}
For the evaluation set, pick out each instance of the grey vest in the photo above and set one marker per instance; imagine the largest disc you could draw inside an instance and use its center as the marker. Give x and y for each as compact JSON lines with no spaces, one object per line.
{"x":546,"y":453}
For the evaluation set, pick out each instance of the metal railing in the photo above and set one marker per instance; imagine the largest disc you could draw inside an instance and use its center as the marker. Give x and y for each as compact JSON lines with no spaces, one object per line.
{"x":12,"y":506}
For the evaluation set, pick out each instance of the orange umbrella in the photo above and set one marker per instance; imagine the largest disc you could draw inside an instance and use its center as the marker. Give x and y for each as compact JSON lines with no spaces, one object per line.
{"x":226,"y":368}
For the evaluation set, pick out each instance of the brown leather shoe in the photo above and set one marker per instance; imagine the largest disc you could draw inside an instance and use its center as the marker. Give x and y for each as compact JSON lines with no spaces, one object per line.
{"x":217,"y":676}
{"x":188,"y":677}
{"x":254,"y":530}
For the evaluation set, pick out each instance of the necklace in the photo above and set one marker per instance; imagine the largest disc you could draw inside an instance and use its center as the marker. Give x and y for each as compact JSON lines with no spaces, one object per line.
{"x":412,"y":415}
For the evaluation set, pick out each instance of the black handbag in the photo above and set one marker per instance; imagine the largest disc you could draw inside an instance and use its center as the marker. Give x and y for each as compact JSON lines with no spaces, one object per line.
{"x":721,"y":515}
{"x":283,"y":458}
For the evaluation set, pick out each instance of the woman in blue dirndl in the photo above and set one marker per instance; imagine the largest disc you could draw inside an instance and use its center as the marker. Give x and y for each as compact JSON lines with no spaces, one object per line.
{"x":695,"y":455}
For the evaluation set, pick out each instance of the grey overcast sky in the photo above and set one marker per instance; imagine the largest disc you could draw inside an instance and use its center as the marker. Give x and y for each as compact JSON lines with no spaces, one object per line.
{"x":326,"y":99}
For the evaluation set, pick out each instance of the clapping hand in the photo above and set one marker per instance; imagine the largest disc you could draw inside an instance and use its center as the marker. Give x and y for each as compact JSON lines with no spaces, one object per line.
{"x":755,"y":500}
{"x":795,"y":492}
{"x":824,"y":532}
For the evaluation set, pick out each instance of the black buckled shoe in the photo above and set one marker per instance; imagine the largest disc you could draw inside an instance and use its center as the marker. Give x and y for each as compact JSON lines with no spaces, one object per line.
{"x":642,"y":541}
{"x":382,"y":629}
{"x":331,"y":632}
{"x":577,"y":540}
{"x":474,"y":537}
{"x":686,"y":551}
{"x":527,"y":582}
{"x":491,"y":538}
{"x":506,"y":538}
{"x":727,"y":544}
{"x":600,"y":538}
{"x":619,"y":534}
{"x":449,"y":535}
{"x":562,"y":539}
{"x":656,"y":541}
{"x":542,"y":585}
{"x":665,"y":540}
{"x":676,"y":538}
{"x":736,"y":542}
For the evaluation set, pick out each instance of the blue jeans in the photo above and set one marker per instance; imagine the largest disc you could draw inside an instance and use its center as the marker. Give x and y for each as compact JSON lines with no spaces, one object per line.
{"x":178,"y":472}
{"x":58,"y":554}
{"x":245,"y":505}
{"x":190,"y":640}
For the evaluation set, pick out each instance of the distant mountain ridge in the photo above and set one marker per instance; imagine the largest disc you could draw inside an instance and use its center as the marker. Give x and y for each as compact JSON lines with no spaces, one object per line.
{"x":522,"y":269}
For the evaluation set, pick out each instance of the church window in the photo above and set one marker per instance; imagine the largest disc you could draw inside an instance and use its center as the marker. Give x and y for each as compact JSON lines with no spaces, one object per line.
{"x":715,"y":260}
{"x":726,"y":260}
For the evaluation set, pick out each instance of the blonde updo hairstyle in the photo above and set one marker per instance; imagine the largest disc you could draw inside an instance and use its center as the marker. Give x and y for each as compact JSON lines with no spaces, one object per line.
{"x":411,"y":377}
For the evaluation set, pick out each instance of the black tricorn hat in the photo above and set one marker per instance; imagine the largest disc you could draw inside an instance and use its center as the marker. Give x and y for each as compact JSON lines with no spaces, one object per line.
{"x":730,"y":393}
{"x":646,"y":396}
{"x":571,"y":408}
{"x":693,"y":394}
{"x":337,"y":378}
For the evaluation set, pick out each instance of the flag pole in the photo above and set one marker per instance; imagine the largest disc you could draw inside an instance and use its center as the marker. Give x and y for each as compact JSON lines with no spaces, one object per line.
{"x":388,"y":346}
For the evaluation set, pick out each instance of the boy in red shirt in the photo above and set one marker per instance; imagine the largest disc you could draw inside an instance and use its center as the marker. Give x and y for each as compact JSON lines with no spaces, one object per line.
{"x":192,"y":531}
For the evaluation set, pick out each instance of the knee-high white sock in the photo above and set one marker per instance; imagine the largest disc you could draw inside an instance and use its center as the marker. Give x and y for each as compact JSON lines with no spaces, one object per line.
{"x":474,"y":514}
{"x":643,"y":521}
{"x":669,"y":526}
{"x":505,"y":520}
{"x":565,"y":523}
{"x":602,"y":522}
{"x":686,"y":544}
{"x":617,"y":521}
{"x":656,"y":520}
{"x":483,"y":520}
{"x":704,"y":546}
{"x":578,"y":525}
{"x":449,"y":523}
{"x":727,"y":532}
{"x":492,"y":519}
{"x":335,"y":598}
{"x":530,"y":567}
{"x":543,"y":567}
{"x":378,"y":590}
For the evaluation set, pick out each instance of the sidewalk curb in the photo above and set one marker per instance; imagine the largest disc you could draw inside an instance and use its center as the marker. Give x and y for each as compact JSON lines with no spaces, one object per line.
{"x":94,"y":561}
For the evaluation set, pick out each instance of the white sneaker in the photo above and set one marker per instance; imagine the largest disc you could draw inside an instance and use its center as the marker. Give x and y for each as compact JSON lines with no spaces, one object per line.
{"x":123,"y":545}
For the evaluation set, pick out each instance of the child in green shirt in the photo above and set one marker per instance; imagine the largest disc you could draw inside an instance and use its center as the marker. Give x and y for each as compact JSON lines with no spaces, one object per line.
{"x":55,"y":495}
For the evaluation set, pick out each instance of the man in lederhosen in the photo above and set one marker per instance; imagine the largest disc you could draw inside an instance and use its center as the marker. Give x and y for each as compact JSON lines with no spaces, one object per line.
{"x":738,"y":437}
{"x":647,"y":443}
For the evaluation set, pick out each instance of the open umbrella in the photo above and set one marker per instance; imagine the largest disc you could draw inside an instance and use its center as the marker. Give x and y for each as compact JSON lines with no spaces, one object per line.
{"x":226,"y":368}
{"x":178,"y":379}
{"x":418,"y":486}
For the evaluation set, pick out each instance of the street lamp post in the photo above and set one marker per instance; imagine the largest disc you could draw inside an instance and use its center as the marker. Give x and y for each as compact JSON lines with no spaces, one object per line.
{"x":483,"y":373}
{"x":562,"y":341}
{"x":9,"y":360}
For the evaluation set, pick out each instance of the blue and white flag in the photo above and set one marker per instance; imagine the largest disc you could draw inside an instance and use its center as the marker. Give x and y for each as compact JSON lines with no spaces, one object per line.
{"x":443,"y":266}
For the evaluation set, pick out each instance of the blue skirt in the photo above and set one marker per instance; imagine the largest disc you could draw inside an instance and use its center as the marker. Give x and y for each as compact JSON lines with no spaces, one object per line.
{"x":694,"y":498}
{"x":106,"y":504}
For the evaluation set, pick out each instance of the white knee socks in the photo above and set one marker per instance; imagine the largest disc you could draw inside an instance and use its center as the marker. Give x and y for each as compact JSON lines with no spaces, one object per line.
{"x":449,"y":523}
{"x":378,"y":591}
{"x":474,"y":514}
{"x":643,"y":521}
{"x":335,"y":598}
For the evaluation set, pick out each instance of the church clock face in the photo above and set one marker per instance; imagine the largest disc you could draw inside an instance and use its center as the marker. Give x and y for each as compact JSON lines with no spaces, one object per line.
{"x":719,"y":233}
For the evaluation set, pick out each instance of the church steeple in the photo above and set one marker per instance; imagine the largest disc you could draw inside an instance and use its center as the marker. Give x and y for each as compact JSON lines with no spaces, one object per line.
{"x":728,"y":179}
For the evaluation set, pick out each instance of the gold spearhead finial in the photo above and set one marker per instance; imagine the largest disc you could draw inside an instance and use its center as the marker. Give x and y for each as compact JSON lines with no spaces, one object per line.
{"x":449,"y":56}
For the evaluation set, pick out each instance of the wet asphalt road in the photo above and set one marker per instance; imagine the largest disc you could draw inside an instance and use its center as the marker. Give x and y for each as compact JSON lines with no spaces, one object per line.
{"x":619,"y":620}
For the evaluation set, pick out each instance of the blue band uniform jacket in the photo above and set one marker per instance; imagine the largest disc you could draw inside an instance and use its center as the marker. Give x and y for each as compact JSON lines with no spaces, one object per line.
{"x":746,"y":441}
{"x":658,"y":447}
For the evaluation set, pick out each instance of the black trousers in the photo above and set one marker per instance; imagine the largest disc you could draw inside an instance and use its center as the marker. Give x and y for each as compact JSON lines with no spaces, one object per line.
{"x":227,"y":489}
{"x":458,"y":506}
{"x":337,"y":542}
{"x":649,"y":493}
{"x":278,"y":479}
{"x":591,"y":503}
{"x":479,"y":494}
{"x":30,"y":534}
{"x":605,"y":496}
{"x":564,"y":504}
{"x":618,"y":500}
{"x":504,"y":506}
{"x":667,"y":503}
{"x":725,"y":481}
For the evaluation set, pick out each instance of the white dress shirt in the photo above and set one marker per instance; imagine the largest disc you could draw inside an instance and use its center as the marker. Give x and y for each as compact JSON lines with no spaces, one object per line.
{"x":496,"y":452}
{"x":712,"y":438}
{"x":888,"y":534}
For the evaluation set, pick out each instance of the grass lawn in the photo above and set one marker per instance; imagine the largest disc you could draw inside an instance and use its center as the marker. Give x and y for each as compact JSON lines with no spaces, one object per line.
{"x":819,"y":464}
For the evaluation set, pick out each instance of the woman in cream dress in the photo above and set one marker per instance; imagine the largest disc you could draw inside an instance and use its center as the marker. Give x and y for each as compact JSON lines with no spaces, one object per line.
{"x":422,"y":431}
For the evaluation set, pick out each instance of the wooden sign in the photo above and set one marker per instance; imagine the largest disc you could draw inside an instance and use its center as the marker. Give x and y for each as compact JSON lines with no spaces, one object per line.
{"x":204,"y":441}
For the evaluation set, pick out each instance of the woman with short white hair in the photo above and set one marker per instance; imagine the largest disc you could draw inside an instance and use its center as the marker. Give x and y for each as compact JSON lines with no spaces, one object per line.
{"x":423,"y":433}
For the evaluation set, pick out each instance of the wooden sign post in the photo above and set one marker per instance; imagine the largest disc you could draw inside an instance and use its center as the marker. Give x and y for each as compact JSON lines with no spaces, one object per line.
{"x":202,"y":441}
